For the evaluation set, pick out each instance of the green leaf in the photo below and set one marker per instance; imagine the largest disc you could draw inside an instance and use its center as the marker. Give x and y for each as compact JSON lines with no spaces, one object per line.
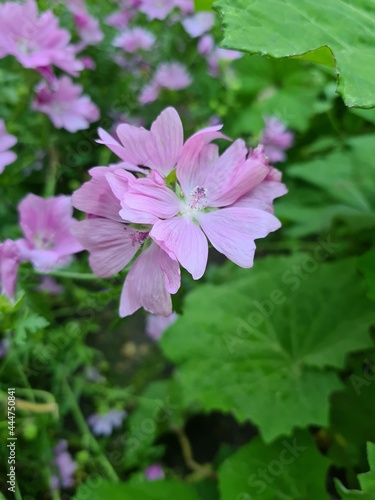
{"x":289,"y":469}
{"x":272,"y":336}
{"x":367,"y":266}
{"x":366,"y":480}
{"x":158,"y":408}
{"x":30,"y":323}
{"x":346,"y":179}
{"x":152,"y":490}
{"x":288,"y":29}
{"x":202,"y":5}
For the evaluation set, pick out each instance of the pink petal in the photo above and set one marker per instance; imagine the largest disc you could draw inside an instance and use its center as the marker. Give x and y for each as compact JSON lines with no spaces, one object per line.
{"x":96,"y":197}
{"x":262,"y":196}
{"x":146,"y":284}
{"x":189,"y":168}
{"x":112,"y":144}
{"x":168,"y":139}
{"x":147,"y":195}
{"x":184,"y":240}
{"x":232,"y":231}
{"x":111,"y":245}
{"x":137,"y":142}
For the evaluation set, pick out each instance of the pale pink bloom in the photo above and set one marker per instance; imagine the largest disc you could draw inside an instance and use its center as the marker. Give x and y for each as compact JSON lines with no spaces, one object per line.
{"x":134,"y":39}
{"x":172,"y":76}
{"x":154,"y":472}
{"x":157,"y":9}
{"x":87,"y":26}
{"x":88,"y":62}
{"x":217,"y":55}
{"x":210,"y":188}
{"x":276,"y":139}
{"x":149,"y":93}
{"x":113,"y":244}
{"x":65,"y":105}
{"x":46,"y":223}
{"x":186,"y":6}
{"x":103,"y":424}
{"x":36,"y":42}
{"x":199,"y":23}
{"x":9,"y":262}
{"x":49,"y":285}
{"x":119,"y":19}
{"x":7,"y":141}
{"x":156,"y":325}
{"x":206,"y":45}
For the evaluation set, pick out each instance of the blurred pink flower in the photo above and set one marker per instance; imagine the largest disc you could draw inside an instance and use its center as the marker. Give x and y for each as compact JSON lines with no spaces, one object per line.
{"x":104,"y":424}
{"x":64,"y":105}
{"x":186,"y":6}
{"x":149,"y":93}
{"x":36,"y":42}
{"x":199,"y":23}
{"x":9,"y":262}
{"x":88,"y":62}
{"x":134,"y":39}
{"x":173,"y":76}
{"x":157,"y":9}
{"x":112,"y":243}
{"x":49,"y":285}
{"x":6,"y":142}
{"x":46,"y":223}
{"x":206,"y":45}
{"x":276,"y":139}
{"x":87,"y":26}
{"x":154,"y":472}
{"x":64,"y":467}
{"x":156,"y":325}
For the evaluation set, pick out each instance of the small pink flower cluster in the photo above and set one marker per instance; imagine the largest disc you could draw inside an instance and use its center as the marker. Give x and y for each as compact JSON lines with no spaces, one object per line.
{"x":7,"y":141}
{"x":165,"y":200}
{"x":47,"y":241}
{"x":38,"y":42}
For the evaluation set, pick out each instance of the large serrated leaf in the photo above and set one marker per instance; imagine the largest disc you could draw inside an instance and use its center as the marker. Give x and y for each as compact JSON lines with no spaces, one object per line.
{"x":289,"y":469}
{"x":260,"y":346}
{"x":341,"y":28}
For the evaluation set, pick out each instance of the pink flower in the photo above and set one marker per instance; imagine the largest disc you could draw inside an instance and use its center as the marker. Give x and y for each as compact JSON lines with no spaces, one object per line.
{"x":154,"y":472}
{"x":276,"y":139}
{"x":172,"y":76}
{"x":64,"y":105}
{"x":157,"y":9}
{"x":156,"y":325}
{"x":206,"y":45}
{"x":87,"y":26}
{"x":6,"y":142}
{"x":150,"y":93}
{"x":199,"y":23}
{"x":46,"y":223}
{"x":134,"y":40}
{"x":112,"y":245}
{"x":36,"y":42}
{"x":49,"y":285}
{"x":9,"y":263}
{"x":186,"y":6}
{"x":221,"y":198}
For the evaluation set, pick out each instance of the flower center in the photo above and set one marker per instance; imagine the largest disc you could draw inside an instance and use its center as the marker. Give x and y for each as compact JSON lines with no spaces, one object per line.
{"x":139,"y":237}
{"x":198,"y":198}
{"x":44,"y":241}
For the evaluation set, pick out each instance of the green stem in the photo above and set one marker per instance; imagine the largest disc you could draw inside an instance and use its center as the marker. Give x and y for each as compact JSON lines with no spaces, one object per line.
{"x":71,"y":275}
{"x":50,"y":182}
{"x":17,"y":494}
{"x":84,"y":429}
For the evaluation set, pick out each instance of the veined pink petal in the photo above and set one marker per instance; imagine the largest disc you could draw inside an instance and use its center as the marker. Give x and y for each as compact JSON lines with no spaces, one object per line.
{"x":146,"y":284}
{"x":111,"y":143}
{"x":232,"y":231}
{"x":189,"y":165}
{"x":234,"y":176}
{"x":147,"y":195}
{"x":262,"y":196}
{"x":137,"y":142}
{"x":111,"y":245}
{"x":184,"y":240}
{"x":9,"y":263}
{"x":168,"y":138}
{"x":96,"y":197}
